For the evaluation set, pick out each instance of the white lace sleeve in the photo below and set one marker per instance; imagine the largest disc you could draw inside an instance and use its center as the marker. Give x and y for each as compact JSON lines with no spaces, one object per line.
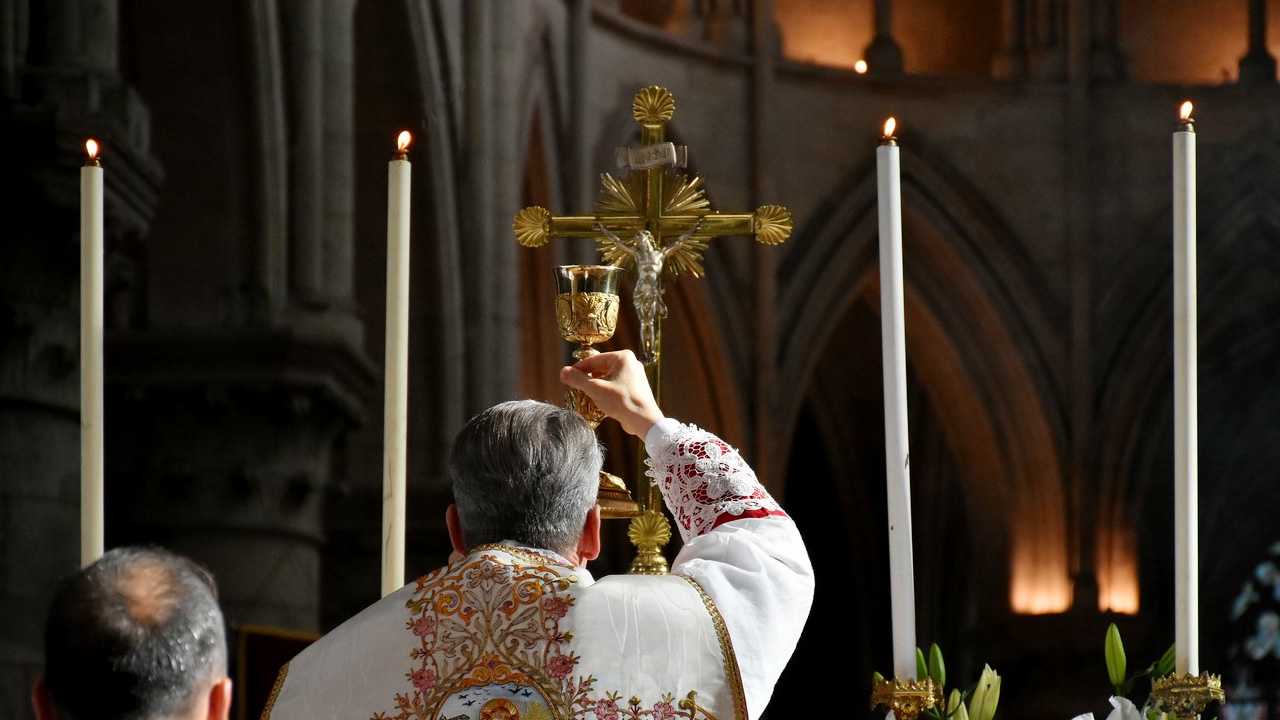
{"x":746,"y":554}
{"x":706,"y":482}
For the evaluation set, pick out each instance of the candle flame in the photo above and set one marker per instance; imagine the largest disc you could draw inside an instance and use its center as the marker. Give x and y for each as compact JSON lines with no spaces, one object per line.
{"x":91,"y":148}
{"x":860,"y":67}
{"x":403,"y":140}
{"x":1184,"y":112}
{"x":889,"y":126}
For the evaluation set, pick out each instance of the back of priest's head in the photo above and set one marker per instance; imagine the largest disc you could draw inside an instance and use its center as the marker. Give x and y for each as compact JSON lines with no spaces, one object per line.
{"x":136,"y":635}
{"x":525,"y":471}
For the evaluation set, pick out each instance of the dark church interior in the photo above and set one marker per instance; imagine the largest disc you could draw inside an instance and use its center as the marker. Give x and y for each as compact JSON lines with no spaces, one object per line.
{"x":244,"y":151}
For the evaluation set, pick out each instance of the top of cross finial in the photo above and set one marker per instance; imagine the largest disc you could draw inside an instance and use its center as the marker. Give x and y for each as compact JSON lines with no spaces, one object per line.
{"x":653,"y":106}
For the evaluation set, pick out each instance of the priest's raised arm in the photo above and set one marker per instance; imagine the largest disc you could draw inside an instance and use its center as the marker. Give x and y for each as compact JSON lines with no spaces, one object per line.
{"x":739,"y":545}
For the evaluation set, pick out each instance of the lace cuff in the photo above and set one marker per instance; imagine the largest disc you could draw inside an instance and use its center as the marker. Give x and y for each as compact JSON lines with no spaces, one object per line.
{"x":705,"y":482}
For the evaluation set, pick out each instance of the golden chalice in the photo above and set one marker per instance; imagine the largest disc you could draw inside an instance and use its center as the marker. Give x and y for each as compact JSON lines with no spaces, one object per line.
{"x":587,"y":304}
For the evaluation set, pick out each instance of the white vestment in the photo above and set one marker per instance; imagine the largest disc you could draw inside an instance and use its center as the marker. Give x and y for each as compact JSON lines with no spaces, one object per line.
{"x":513,"y":632}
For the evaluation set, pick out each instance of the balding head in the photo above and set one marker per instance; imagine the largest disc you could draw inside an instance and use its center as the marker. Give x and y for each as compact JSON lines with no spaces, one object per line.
{"x":137,"y":635}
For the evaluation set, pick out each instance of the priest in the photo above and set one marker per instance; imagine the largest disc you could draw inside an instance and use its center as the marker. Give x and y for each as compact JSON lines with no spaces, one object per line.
{"x":515,"y":626}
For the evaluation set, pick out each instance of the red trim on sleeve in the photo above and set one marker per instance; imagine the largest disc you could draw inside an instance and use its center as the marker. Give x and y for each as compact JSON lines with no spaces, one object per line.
{"x":757,"y":513}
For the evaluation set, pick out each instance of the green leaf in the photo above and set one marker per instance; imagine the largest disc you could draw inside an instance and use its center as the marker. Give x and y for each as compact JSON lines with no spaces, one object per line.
{"x":937,"y":668}
{"x":876,"y":678}
{"x":1114,"y":651}
{"x":922,"y":668}
{"x":1164,"y":665}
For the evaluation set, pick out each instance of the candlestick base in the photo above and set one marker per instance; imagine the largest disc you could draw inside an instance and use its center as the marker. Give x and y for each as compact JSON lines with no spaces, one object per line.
{"x":906,"y":698}
{"x":1185,"y":696}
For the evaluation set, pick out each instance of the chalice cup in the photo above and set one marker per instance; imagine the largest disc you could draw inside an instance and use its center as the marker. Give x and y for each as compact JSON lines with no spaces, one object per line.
{"x":587,"y":305}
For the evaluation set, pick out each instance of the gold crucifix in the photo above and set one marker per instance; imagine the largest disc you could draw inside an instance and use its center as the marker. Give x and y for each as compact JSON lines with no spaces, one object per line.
{"x":658,"y":221}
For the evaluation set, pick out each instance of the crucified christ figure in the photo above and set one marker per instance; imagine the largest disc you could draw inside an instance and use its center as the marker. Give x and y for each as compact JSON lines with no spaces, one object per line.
{"x":647,"y":296}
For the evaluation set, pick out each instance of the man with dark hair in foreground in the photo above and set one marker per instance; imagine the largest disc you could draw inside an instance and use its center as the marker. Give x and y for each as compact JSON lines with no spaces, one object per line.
{"x":516,"y":628}
{"x":137,"y":635}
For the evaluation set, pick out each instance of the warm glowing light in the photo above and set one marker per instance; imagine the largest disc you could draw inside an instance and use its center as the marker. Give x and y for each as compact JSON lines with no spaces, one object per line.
{"x":1039,"y":582}
{"x":1184,"y":112}
{"x":1117,"y":571}
{"x":403,"y":140}
{"x":91,"y":148}
{"x":860,"y":67}
{"x":889,"y":126}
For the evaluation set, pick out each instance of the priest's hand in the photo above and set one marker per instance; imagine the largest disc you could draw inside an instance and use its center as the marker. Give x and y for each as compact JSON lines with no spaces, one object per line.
{"x":616,"y":382}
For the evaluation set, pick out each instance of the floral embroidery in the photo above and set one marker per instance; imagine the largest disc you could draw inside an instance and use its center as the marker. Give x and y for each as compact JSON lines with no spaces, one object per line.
{"x":423,"y":679}
{"x":424,"y":626}
{"x":488,"y":631}
{"x":560,"y":666}
{"x":607,"y":708}
{"x":707,"y":483}
{"x":556,"y":607}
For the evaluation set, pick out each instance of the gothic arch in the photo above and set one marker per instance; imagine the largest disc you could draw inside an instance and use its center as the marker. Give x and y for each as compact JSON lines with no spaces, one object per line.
{"x":1236,"y":258}
{"x":975,"y":310}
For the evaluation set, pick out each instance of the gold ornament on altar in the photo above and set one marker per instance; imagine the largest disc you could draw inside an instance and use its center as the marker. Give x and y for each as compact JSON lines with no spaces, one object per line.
{"x":1184,"y":696}
{"x":658,"y":222}
{"x":908,"y":699}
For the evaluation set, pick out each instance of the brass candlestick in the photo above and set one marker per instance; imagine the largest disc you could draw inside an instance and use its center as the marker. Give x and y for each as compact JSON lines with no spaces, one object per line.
{"x":906,"y":698}
{"x":1185,"y":696}
{"x":587,"y":312}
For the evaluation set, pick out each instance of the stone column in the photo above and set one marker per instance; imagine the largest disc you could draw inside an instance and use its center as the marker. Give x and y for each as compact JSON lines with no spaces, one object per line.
{"x":477,"y":203}
{"x":13,"y":43}
{"x":883,"y":55}
{"x":339,"y":163}
{"x":99,"y":28}
{"x":268,"y":184}
{"x":39,"y":437}
{"x":724,"y":23}
{"x":61,"y":54}
{"x":303,"y":32}
{"x":582,"y":181}
{"x":1106,"y":61}
{"x":1257,"y":66}
{"x":232,"y":422}
{"x":1010,"y":62}
{"x":57,"y":38}
{"x":231,"y":474}
{"x":1047,"y":49}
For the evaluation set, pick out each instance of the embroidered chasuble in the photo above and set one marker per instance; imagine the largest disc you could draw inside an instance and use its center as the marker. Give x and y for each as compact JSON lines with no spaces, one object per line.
{"x":512,"y":632}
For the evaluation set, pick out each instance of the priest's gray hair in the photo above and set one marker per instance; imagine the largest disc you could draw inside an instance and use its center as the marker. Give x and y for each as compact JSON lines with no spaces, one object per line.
{"x":525,"y":471}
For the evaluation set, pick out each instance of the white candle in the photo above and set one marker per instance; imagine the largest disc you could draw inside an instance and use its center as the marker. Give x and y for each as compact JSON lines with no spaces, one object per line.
{"x":1186,"y":527}
{"x":395,"y":408}
{"x":902,"y":593}
{"x":92,"y":541}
